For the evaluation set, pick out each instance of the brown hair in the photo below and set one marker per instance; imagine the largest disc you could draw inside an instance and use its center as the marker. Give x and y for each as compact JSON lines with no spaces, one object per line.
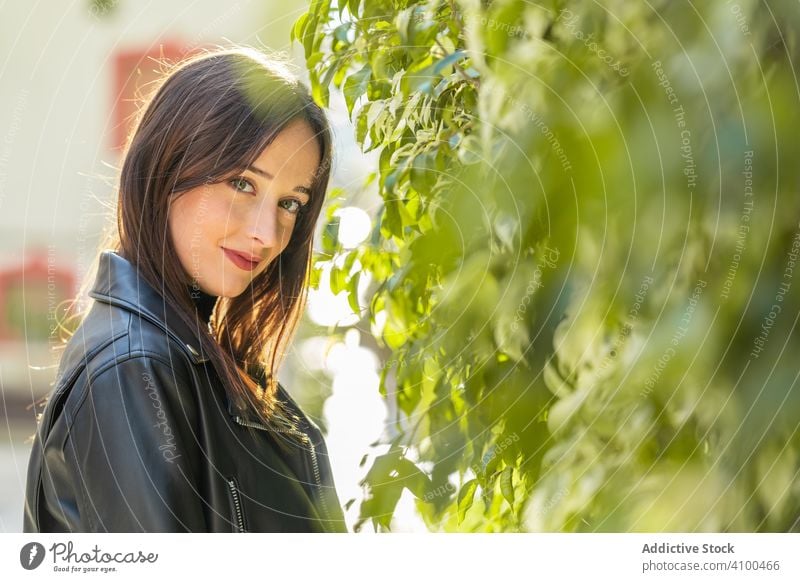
{"x":210,"y":117}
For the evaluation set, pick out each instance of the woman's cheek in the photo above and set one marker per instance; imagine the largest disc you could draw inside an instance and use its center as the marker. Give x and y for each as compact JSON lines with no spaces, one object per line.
{"x":232,"y":212}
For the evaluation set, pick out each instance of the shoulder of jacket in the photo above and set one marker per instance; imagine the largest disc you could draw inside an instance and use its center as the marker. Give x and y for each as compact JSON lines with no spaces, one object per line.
{"x":131,"y":377}
{"x":106,"y":339}
{"x":110,"y":334}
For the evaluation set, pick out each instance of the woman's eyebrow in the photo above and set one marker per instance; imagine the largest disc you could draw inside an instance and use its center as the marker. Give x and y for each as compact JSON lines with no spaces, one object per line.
{"x":268,"y":176}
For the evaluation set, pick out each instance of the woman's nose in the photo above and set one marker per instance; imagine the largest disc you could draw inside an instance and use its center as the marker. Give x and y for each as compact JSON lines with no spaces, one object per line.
{"x":263,"y":225}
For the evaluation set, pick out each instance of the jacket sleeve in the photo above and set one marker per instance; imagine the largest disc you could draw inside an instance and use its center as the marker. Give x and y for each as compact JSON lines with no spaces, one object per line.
{"x":132,"y":452}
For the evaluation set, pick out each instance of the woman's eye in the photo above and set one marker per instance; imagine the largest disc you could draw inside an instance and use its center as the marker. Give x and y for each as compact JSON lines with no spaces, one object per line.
{"x":241,"y":185}
{"x":291,"y":205}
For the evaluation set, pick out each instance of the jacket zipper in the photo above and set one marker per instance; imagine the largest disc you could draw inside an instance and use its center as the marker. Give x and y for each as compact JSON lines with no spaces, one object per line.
{"x":314,"y":462}
{"x":322,"y":500}
{"x":236,"y":504}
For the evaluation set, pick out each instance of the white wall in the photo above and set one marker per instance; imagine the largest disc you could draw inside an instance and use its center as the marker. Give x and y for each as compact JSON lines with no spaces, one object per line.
{"x":57,"y":88}
{"x":56,"y":94}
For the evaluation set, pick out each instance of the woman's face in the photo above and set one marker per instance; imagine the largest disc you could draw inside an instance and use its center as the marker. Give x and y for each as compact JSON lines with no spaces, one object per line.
{"x":227,"y":234}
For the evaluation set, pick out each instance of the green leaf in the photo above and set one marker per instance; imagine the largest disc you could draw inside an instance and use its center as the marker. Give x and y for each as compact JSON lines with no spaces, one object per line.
{"x":423,"y":175}
{"x":361,"y":125}
{"x":299,"y":27}
{"x":319,"y":92}
{"x":314,"y":60}
{"x":451,"y":59}
{"x":330,"y":236}
{"x":507,"y":485}
{"x":338,"y":280}
{"x":383,"y":488}
{"x":554,"y":382}
{"x":422,"y":31}
{"x":340,"y":32}
{"x":417,"y":77}
{"x":352,"y":292}
{"x":355,"y":86}
{"x":392,"y":219}
{"x":466,"y":496}
{"x":314,"y":277}
{"x":413,"y":478}
{"x":311,"y":38}
{"x":511,"y":335}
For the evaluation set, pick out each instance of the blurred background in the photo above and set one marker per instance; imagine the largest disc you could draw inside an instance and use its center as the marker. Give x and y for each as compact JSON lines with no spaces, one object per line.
{"x":563,"y":239}
{"x":70,"y":74}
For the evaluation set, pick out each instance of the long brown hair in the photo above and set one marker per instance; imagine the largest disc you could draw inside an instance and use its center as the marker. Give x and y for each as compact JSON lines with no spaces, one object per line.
{"x":210,"y":117}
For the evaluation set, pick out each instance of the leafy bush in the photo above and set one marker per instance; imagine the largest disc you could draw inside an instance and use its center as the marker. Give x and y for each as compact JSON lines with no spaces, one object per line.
{"x":586,"y":259}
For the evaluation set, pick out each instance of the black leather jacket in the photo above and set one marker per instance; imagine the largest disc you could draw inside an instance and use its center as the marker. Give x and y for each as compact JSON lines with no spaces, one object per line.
{"x":139,"y":435}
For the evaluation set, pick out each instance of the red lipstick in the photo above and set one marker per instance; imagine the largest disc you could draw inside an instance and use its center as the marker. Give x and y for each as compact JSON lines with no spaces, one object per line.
{"x":241,"y":260}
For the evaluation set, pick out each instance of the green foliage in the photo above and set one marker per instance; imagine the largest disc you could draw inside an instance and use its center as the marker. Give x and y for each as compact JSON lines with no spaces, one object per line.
{"x":102,"y":8}
{"x":577,"y":258}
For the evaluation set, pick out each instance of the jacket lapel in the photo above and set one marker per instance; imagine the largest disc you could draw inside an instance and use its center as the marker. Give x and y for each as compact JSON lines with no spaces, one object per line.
{"x":118,"y":283}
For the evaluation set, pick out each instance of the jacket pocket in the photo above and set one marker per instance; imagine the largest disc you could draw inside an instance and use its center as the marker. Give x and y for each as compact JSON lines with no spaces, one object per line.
{"x":237,"y":511}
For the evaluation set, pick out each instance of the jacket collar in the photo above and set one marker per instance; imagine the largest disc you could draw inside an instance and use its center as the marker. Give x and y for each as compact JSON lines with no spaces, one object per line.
{"x":118,"y":283}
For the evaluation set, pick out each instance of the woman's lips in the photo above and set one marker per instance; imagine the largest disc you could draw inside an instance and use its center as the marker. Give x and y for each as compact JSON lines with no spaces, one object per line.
{"x":240,"y":261}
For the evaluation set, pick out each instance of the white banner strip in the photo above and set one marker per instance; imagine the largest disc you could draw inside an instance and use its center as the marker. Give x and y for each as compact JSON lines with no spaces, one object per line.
{"x":402,"y":557}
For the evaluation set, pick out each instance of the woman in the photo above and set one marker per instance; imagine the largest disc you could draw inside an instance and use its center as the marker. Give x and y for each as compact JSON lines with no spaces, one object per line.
{"x":166,"y":414}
